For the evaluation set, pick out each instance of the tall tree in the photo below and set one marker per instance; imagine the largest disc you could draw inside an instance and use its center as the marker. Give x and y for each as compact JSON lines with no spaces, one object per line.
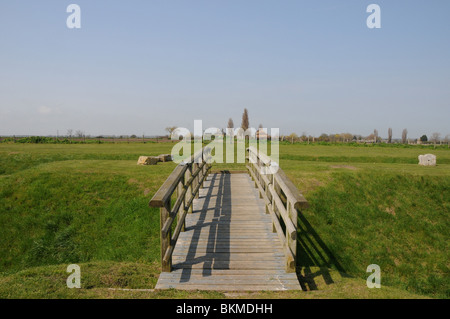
{"x":245,"y":121}
{"x":346,"y":137}
{"x":230,"y":123}
{"x":293,"y":137}
{"x":404,"y":135}
{"x":390,"y":135}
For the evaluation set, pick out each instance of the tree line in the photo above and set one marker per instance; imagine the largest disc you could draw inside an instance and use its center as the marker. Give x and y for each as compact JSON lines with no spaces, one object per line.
{"x":80,"y":136}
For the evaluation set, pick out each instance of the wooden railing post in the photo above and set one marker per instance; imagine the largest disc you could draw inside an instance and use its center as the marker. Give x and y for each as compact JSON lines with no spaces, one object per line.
{"x":274,"y":207}
{"x":203,"y":171}
{"x":190,"y":188}
{"x":292,"y":242}
{"x":165,"y":240}
{"x":197,"y":178}
{"x":200,"y":174}
{"x":194,"y":180}
{"x":180,"y":189}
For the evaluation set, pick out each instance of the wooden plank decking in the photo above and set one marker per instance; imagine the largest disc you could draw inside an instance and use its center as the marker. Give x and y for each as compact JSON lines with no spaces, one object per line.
{"x":228,"y":243}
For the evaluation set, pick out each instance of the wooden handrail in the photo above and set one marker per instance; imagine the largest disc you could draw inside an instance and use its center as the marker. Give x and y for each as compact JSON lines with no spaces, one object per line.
{"x":282,"y":199}
{"x":186,"y":179}
{"x":291,"y":191}
{"x":167,"y":189}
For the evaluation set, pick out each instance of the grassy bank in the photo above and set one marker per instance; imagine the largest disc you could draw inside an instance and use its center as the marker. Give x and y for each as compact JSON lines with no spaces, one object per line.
{"x":87,"y":204}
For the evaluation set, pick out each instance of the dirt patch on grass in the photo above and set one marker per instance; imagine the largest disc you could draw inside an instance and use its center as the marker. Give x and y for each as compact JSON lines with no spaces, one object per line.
{"x":390,"y":209}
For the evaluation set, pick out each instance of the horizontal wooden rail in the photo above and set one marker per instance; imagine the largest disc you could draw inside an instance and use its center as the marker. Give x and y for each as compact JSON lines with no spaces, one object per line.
{"x":186,"y":179}
{"x":282,"y":199}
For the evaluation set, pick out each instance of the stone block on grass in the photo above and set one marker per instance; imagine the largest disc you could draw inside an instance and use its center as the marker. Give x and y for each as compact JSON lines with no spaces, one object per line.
{"x":165,"y":158}
{"x":427,"y":160}
{"x":148,"y":160}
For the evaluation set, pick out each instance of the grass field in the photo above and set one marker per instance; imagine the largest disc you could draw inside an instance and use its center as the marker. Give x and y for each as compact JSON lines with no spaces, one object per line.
{"x":87,"y":204}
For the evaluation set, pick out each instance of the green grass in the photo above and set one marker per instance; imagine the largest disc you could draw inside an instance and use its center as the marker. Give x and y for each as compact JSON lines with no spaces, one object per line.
{"x":399,"y":222}
{"x":16,"y":157}
{"x":79,"y":210}
{"x":108,"y":279}
{"x":88,"y":204}
{"x":360,"y":154}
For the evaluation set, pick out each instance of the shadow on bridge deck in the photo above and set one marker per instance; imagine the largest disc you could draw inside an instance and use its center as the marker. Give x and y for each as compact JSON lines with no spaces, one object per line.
{"x":228,"y":243}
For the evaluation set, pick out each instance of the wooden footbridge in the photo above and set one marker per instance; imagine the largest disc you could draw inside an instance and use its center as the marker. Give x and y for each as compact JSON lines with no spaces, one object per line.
{"x":233,"y":231}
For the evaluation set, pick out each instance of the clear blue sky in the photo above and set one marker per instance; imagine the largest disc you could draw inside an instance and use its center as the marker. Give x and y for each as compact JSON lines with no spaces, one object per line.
{"x":302,"y":66}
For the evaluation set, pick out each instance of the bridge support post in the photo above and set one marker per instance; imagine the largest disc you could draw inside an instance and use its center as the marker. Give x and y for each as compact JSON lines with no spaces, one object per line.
{"x":204,"y":173}
{"x":165,"y":240}
{"x":292,"y":243}
{"x":190,"y":188}
{"x":183,"y":205}
{"x":197,"y":178}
